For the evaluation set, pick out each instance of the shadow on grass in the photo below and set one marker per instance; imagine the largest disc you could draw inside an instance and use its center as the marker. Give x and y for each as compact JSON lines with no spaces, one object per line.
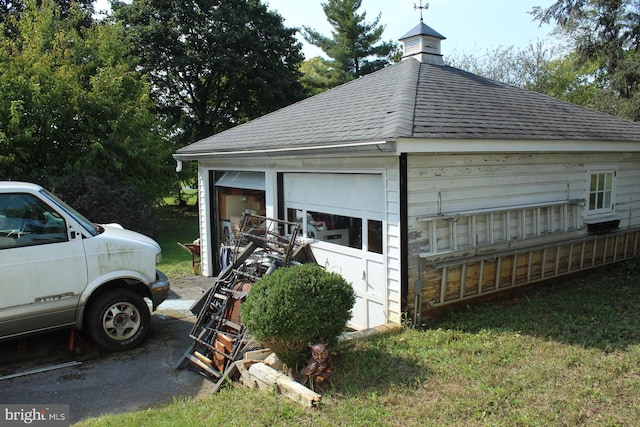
{"x":369,"y":369}
{"x":595,"y":309}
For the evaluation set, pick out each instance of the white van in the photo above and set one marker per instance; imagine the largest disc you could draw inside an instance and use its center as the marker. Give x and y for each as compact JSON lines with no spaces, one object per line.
{"x":58,"y":269}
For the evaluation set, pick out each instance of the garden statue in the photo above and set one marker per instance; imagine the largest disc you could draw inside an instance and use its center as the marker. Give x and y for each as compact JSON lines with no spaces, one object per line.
{"x":318,"y":369}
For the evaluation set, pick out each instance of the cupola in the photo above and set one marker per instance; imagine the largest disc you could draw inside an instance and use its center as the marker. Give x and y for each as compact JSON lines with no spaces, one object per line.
{"x":423,"y":43}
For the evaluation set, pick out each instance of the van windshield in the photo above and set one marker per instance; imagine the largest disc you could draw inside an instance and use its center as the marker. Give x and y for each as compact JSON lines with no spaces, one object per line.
{"x":91,"y":228}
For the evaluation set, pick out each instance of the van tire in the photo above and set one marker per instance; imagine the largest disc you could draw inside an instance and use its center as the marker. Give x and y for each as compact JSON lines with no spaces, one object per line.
{"x":119,"y":320}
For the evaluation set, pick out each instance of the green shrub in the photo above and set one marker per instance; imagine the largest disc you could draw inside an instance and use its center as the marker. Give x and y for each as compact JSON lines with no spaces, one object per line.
{"x":106,"y":199}
{"x":296,"y":306}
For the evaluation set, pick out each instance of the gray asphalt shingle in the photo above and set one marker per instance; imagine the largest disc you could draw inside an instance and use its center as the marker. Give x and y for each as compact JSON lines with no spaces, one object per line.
{"x":416,"y":100}
{"x":455,"y":104}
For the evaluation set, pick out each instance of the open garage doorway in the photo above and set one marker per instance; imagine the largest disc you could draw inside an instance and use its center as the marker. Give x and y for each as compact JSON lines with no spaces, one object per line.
{"x":235,"y":192}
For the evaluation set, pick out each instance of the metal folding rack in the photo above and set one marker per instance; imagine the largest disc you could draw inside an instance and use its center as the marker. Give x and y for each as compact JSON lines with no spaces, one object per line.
{"x":218,"y":334}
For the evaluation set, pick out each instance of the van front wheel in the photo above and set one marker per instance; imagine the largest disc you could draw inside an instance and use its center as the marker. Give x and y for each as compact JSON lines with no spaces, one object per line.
{"x":119,"y":320}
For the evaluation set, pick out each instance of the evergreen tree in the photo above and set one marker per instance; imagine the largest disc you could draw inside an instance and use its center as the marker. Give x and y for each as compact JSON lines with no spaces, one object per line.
{"x":318,"y":75}
{"x":354,"y":45}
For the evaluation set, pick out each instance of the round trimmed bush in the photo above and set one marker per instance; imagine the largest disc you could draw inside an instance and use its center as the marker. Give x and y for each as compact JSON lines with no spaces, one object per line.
{"x":296,"y":306}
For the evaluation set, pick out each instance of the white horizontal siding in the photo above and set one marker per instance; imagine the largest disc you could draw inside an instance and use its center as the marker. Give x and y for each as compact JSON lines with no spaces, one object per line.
{"x":628,"y":193}
{"x":448,"y":184}
{"x":474,"y":187}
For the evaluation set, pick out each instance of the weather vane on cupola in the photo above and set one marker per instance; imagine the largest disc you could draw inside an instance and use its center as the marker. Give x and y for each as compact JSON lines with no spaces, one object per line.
{"x":421,"y":7}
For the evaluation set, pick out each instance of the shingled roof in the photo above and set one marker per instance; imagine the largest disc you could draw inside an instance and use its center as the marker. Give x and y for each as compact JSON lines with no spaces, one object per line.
{"x":422,"y":29}
{"x":418,"y":100}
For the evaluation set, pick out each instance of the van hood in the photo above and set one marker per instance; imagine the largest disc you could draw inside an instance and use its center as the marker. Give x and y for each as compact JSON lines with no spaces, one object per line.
{"x":117,"y":231}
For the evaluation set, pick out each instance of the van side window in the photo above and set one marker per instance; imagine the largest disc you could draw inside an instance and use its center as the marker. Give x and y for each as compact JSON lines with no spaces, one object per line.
{"x":25,"y":221}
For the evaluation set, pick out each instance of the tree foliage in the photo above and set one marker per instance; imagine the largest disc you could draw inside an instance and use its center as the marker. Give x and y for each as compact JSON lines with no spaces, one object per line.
{"x":537,"y":68}
{"x":562,"y":78}
{"x":105,"y":199}
{"x":73,"y":102}
{"x":213,"y":64}
{"x":355,"y":46}
{"x":318,"y":75}
{"x":600,"y":69}
{"x":10,"y":11}
{"x":606,"y":36}
{"x":542,"y":70}
{"x":526,"y":68}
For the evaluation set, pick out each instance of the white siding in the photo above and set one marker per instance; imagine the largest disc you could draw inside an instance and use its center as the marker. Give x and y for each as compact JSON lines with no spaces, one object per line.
{"x":450,"y":184}
{"x":204,"y":209}
{"x":393,"y":240}
{"x":531,"y":203}
{"x":628,"y":193}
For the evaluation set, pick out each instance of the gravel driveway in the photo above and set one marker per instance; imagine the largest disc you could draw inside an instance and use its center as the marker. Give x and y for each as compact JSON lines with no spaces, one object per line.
{"x":95,"y":383}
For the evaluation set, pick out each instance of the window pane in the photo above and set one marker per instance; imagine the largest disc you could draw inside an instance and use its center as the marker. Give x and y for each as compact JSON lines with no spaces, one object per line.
{"x":374,"y":236}
{"x":601,"y":191}
{"x":337,"y":229}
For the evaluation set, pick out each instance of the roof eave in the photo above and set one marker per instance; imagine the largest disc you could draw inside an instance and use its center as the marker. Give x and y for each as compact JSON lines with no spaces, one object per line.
{"x":337,"y":148}
{"x":472,"y":146}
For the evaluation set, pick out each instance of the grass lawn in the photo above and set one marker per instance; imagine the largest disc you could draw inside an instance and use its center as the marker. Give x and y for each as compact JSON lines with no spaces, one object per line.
{"x":177,"y":224}
{"x":567,"y":353}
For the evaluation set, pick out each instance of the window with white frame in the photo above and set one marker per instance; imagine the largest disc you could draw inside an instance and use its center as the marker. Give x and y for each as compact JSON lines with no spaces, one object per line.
{"x":338,"y":229}
{"x":601,"y":191}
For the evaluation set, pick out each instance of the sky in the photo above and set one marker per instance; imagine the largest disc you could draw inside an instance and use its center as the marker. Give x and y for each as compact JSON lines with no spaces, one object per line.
{"x":468,"y":25}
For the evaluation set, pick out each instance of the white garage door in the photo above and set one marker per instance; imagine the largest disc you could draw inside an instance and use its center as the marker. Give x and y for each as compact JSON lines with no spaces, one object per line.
{"x":344,"y":215}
